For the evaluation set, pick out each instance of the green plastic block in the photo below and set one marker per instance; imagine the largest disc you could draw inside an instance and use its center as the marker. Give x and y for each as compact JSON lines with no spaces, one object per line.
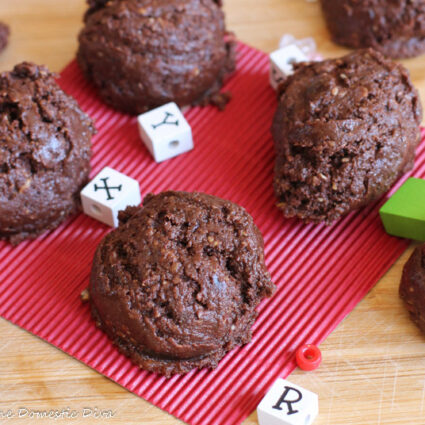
{"x":404,"y":213}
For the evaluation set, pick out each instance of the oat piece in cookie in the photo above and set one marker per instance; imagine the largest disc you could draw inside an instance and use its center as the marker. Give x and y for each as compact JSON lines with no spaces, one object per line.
{"x":396,"y":27}
{"x":345,"y":130}
{"x":141,"y":54}
{"x":4,"y":36}
{"x":176,"y":285}
{"x":412,"y":286}
{"x":45,"y":149}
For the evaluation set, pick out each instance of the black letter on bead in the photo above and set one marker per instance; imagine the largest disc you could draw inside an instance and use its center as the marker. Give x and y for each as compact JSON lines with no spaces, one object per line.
{"x":289,"y":403}
{"x":165,"y":121}
{"x":107,"y":188}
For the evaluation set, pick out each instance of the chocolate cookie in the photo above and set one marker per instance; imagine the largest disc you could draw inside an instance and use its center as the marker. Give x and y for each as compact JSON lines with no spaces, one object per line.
{"x":412,"y":286}
{"x":144,"y":53}
{"x":176,"y":285}
{"x":45,"y":152}
{"x":4,"y":36}
{"x":345,"y":130}
{"x":396,"y":27}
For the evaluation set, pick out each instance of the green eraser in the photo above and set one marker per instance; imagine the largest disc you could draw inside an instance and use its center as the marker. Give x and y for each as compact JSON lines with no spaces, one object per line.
{"x":404,"y":213}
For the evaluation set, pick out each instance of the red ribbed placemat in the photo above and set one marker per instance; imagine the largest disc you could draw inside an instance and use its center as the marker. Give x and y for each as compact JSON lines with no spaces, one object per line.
{"x":320,"y":272}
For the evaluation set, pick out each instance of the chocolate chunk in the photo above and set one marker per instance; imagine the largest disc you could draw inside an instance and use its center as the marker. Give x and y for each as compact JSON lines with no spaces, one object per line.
{"x":94,"y":6}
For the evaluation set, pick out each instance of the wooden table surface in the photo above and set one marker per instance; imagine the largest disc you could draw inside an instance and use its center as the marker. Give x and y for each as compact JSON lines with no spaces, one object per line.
{"x":373,"y":369}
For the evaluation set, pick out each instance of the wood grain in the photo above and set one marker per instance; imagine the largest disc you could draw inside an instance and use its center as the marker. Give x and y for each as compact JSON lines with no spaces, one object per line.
{"x":374,"y":363}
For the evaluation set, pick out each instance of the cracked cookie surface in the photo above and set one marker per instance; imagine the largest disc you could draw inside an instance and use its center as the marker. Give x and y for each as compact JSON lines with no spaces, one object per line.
{"x":45,"y":149}
{"x":141,"y":54}
{"x":345,"y":130}
{"x":176,"y":285}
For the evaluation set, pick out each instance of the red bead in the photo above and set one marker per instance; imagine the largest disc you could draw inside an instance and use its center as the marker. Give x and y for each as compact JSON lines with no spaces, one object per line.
{"x":308,"y":357}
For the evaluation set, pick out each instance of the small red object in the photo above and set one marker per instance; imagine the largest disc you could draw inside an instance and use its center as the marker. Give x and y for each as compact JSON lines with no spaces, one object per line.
{"x":308,"y":357}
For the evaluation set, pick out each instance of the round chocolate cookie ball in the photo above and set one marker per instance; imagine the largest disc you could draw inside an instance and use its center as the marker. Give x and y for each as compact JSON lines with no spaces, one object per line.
{"x":4,"y":36}
{"x":176,"y":285}
{"x":45,"y":151}
{"x":396,"y":27}
{"x":412,"y":286}
{"x":144,"y":53}
{"x":345,"y":130}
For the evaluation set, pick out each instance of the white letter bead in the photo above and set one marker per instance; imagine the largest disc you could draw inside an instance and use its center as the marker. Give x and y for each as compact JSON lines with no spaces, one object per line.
{"x":165,"y":132}
{"x":288,"y":404}
{"x":306,"y":45}
{"x":286,"y":40}
{"x":107,"y":194}
{"x":281,"y":63}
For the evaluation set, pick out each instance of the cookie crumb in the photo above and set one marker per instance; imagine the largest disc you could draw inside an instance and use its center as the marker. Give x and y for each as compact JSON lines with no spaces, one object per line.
{"x":85,"y":296}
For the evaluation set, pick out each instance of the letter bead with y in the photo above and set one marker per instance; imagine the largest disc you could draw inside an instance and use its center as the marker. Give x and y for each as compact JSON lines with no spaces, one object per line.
{"x":165,"y":132}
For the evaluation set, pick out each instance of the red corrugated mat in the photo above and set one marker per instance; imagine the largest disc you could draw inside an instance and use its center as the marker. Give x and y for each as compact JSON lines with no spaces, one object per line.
{"x":321,"y":272}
